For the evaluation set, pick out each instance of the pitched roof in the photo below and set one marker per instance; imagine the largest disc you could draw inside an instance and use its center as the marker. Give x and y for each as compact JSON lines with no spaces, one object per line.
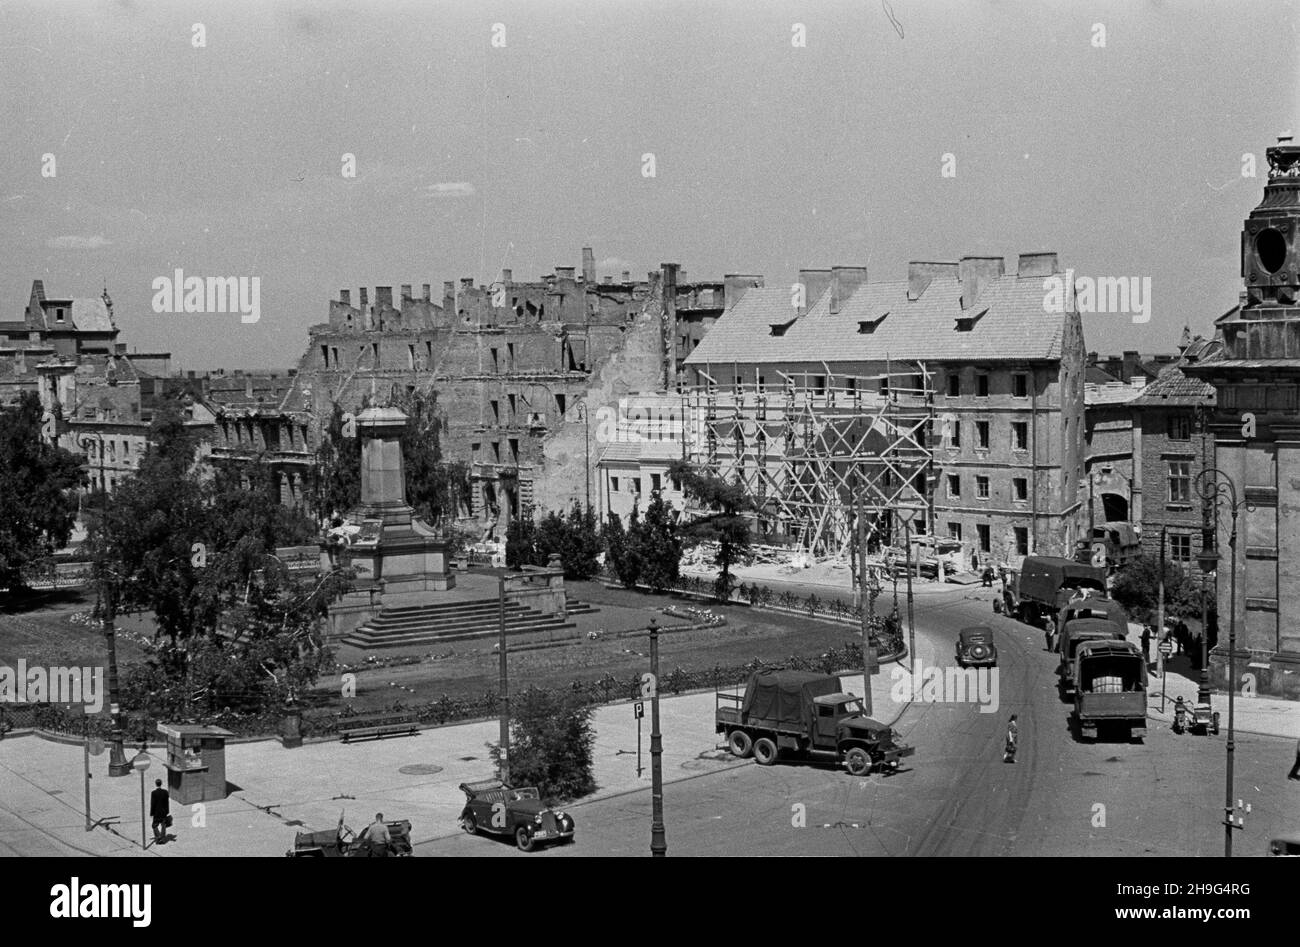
{"x":1175,"y":388}
{"x":91,"y":315}
{"x":1011,"y":324}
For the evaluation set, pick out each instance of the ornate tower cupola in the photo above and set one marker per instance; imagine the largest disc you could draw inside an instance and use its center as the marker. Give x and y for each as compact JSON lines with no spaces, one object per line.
{"x":1270,"y":241}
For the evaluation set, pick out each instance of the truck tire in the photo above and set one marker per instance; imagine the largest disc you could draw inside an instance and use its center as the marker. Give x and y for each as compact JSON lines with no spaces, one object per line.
{"x":740,"y":744}
{"x":858,"y":760}
{"x":764,"y":751}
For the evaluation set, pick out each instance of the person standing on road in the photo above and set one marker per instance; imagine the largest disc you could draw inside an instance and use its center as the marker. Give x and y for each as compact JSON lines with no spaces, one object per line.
{"x":376,"y":836}
{"x":1295,"y":770}
{"x":1049,"y":631}
{"x":160,"y":811}
{"x":1013,"y":733}
{"x":1146,"y":643}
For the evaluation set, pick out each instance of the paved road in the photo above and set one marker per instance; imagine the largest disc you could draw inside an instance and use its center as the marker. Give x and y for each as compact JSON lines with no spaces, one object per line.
{"x":1158,"y":796}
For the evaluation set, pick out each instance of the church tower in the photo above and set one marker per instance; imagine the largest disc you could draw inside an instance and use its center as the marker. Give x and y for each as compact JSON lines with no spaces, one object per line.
{"x":1256,"y":428}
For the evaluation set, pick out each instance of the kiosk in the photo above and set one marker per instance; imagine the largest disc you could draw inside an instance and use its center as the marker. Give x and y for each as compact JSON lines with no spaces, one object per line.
{"x":196,"y":762}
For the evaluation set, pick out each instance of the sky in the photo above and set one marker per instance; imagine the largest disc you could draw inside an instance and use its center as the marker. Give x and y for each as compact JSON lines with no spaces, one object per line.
{"x":226,"y":158}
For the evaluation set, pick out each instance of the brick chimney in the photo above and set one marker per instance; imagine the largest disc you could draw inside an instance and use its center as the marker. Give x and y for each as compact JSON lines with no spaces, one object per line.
{"x":588,"y":265}
{"x":507,"y":276}
{"x":383,"y":297}
{"x":921,"y":273}
{"x":976,"y":272}
{"x":845,"y":281}
{"x":627,"y":276}
{"x":1037,"y":264}
{"x":814,"y":283}
{"x":428,"y":292}
{"x":406,"y":291}
{"x":345,"y":297}
{"x":365,"y":298}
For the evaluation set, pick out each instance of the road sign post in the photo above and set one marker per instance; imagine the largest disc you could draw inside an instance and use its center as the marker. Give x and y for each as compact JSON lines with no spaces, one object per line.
{"x":638,"y":710}
{"x":1166,"y":649}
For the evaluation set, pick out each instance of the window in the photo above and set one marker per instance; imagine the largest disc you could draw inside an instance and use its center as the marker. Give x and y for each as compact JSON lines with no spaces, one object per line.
{"x":656,"y":482}
{"x":982,"y":488}
{"x":954,"y":486}
{"x":510,"y":356}
{"x":1022,"y":541}
{"x":410,"y":355}
{"x":58,"y":315}
{"x":982,"y":435}
{"x":982,"y":384}
{"x":1180,"y":481}
{"x":496,"y":411}
{"x":762,"y":383}
{"x":954,"y":531}
{"x":1020,"y":488}
{"x":496,"y":451}
{"x":1020,"y":435}
{"x":1020,"y":385}
{"x":819,"y":384}
{"x":986,"y":543}
{"x":513,"y":407}
{"x":514,"y":449}
{"x":954,"y":439}
{"x":374,"y":351}
{"x":494,"y":361}
{"x":325,"y":355}
{"x":1180,"y":548}
{"x":954,"y":385}
{"x":613,"y":484}
{"x":560,"y":401}
{"x":1179,"y":427}
{"x":636,"y":485}
{"x":334,"y":355}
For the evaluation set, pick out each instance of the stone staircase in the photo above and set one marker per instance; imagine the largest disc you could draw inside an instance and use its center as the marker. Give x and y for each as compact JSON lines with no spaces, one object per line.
{"x":455,"y":621}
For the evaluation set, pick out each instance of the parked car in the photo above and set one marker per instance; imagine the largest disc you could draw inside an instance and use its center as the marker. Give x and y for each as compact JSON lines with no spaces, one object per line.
{"x":342,"y":842}
{"x":1284,"y":846}
{"x":519,"y":813}
{"x":975,"y":647}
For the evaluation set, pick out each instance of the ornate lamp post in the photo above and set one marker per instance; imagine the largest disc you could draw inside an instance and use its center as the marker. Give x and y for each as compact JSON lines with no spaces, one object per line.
{"x":1218,"y":492}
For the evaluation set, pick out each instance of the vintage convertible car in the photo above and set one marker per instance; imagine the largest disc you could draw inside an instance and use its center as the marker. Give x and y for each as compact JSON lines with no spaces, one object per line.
{"x":975,"y":647}
{"x":491,"y":806}
{"x":342,"y":842}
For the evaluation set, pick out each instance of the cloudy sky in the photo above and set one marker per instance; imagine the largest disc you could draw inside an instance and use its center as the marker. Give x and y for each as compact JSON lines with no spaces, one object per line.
{"x":226,"y":159}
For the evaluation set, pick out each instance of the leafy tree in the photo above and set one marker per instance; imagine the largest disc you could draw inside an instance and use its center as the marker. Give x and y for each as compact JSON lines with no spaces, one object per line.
{"x":37,"y":484}
{"x":726,"y":522}
{"x":338,"y":468}
{"x":1136,"y":587}
{"x":520,"y":539}
{"x":621,"y":548}
{"x":551,"y":742}
{"x":572,"y":538}
{"x":657,"y":545}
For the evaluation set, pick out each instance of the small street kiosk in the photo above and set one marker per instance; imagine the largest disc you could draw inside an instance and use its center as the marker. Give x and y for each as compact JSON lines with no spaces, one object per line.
{"x":196,"y":762}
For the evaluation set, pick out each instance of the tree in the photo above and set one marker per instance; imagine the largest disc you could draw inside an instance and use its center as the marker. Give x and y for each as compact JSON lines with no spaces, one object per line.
{"x":551,"y":741}
{"x":726,"y":522}
{"x":657,"y":545}
{"x":572,"y":538}
{"x":338,"y":467}
{"x":37,"y":485}
{"x":1136,"y":587}
{"x":621,"y":550}
{"x":520,"y":538}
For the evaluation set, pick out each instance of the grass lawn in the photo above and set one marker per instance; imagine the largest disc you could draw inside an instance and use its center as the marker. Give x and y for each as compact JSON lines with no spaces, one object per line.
{"x":51,"y":629}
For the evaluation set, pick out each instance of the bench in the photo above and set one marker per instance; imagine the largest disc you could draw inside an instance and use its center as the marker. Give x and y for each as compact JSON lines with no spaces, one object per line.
{"x":377,"y":727}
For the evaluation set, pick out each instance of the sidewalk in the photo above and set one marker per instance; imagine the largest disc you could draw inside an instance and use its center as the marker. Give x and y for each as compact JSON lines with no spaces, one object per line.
{"x":278,"y":792}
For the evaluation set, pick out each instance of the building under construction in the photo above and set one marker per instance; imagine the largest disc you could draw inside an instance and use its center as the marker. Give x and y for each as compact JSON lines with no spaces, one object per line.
{"x":950,"y":402}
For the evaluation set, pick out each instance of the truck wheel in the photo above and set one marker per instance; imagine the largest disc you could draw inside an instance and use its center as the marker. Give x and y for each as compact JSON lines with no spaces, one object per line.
{"x":740,"y":744}
{"x":858,"y":761}
{"x":764,"y":751}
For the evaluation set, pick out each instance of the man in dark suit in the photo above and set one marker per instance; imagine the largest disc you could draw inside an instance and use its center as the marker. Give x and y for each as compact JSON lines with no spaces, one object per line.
{"x":159,"y":810}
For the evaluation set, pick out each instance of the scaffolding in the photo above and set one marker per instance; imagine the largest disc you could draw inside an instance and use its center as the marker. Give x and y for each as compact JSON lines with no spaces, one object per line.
{"x":816,"y":449}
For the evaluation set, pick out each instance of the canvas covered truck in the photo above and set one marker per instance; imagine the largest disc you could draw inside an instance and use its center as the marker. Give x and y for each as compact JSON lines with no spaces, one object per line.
{"x":1074,"y":634}
{"x":1110,"y":687}
{"x":806,"y":715}
{"x":1044,"y":584}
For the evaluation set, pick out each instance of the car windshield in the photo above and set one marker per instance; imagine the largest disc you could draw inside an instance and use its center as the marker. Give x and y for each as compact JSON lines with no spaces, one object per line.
{"x":851,"y":707}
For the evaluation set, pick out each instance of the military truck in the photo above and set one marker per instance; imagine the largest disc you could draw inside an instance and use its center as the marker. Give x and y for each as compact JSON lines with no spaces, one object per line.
{"x":1043,"y":585}
{"x":1110,"y":687}
{"x":1073,"y":634}
{"x":808,"y":716}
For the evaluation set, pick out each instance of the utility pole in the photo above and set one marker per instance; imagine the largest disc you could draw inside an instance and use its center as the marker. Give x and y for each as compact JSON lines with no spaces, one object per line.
{"x":911,"y":618}
{"x":503,"y":684}
{"x":864,"y":596}
{"x":1160,"y":587}
{"x":658,"y":843}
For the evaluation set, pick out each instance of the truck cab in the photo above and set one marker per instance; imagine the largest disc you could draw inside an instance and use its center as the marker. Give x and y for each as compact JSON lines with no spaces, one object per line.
{"x":833,"y":716}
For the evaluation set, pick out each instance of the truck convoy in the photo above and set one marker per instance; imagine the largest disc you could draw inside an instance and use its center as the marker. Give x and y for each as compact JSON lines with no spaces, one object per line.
{"x":807,"y":715}
{"x":1045,"y":584}
{"x":1075,"y":633}
{"x":1110,"y":687}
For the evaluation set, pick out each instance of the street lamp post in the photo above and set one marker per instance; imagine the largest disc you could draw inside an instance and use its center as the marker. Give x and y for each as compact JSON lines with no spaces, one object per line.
{"x":140,"y":763}
{"x":658,"y":842}
{"x":1217,"y":490}
{"x":503,"y":684}
{"x":586,"y":443}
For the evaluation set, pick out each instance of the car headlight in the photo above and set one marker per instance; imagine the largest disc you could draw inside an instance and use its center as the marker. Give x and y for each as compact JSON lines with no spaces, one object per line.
{"x":560,"y":815}
{"x":538,"y":818}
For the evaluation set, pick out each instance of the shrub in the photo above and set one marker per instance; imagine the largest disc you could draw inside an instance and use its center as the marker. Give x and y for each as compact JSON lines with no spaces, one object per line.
{"x":551,"y":742}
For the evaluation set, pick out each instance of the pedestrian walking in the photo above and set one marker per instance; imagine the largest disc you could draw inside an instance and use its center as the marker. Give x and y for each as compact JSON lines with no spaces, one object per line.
{"x":1295,"y":770}
{"x":1049,"y":631}
{"x":376,"y":837}
{"x":988,"y":576}
{"x":1013,"y":734}
{"x":160,"y":808}
{"x":1146,"y":643}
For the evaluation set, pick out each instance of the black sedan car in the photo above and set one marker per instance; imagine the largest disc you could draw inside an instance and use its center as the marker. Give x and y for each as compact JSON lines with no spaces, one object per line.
{"x":493,"y":807}
{"x":975,"y":648}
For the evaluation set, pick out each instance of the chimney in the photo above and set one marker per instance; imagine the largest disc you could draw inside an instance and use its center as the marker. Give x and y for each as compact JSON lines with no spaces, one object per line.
{"x":345,"y":297}
{"x":976,"y":272}
{"x":507,"y":276}
{"x":735,"y":285}
{"x":383,"y":297}
{"x":627,"y":276}
{"x":669,"y":335}
{"x":38,"y":289}
{"x":607,"y":281}
{"x":365,"y":298}
{"x":1132,"y":365}
{"x":921,"y":273}
{"x":1036,"y":264}
{"x":448,"y":295}
{"x":564,"y":272}
{"x":406,"y":291}
{"x":588,"y":265}
{"x":845,"y":281}
{"x":814,"y":283}
{"x":428,"y":292}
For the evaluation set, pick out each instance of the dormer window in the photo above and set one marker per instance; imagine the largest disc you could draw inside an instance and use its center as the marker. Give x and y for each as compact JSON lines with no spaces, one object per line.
{"x":966,"y":323}
{"x":868,"y":326}
{"x":58,"y":314}
{"x":779,"y":328}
